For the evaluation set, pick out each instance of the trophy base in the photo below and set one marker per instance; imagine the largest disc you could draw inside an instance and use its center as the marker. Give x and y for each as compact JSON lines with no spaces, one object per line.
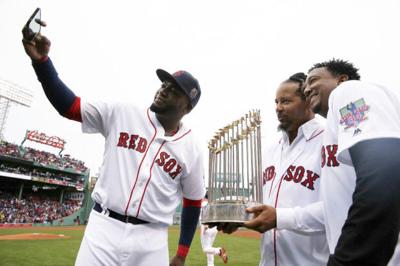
{"x":226,"y":212}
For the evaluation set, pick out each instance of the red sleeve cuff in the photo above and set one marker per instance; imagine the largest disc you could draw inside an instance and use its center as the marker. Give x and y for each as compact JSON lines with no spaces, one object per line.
{"x":41,"y":60}
{"x":191,"y":203}
{"x":182,"y":251}
{"x":74,"y":112}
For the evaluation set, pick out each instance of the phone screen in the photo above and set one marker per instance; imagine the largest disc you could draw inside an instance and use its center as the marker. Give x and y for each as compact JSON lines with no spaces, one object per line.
{"x":32,"y":27}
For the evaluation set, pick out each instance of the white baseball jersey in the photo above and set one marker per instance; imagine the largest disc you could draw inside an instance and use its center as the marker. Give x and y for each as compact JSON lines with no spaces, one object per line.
{"x":357,"y":111}
{"x":144,"y":173}
{"x":291,"y":185}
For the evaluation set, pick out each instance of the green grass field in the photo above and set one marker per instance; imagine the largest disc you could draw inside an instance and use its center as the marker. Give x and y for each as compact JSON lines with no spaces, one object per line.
{"x":242,"y":251}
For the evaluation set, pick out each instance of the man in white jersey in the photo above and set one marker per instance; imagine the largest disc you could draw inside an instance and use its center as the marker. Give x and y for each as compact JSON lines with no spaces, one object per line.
{"x":151,"y":162}
{"x":207,"y":237}
{"x":360,"y":181}
{"x":291,"y":192}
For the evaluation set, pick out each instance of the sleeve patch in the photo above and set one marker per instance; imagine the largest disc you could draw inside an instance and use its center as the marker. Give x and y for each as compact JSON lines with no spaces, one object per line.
{"x":353,"y":114}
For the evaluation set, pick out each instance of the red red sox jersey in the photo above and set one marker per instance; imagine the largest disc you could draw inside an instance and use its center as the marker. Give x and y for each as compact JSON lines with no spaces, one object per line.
{"x":291,"y":178}
{"x":144,"y":173}
{"x":357,"y":111}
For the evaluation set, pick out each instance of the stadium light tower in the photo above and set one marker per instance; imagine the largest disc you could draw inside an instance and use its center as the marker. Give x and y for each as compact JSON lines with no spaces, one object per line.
{"x":11,"y":93}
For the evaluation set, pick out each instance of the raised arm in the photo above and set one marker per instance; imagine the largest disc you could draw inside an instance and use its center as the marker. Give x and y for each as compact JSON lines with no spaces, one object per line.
{"x":60,"y":96}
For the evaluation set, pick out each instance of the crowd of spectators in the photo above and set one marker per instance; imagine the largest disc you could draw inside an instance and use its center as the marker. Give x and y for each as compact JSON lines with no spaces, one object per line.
{"x":42,"y":157}
{"x":9,"y":149}
{"x":43,"y":175}
{"x":5,"y":167}
{"x":34,"y":209}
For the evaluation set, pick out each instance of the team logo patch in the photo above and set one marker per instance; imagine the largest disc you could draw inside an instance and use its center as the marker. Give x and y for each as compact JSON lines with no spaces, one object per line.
{"x":193,"y":93}
{"x":178,"y":73}
{"x":353,"y":114}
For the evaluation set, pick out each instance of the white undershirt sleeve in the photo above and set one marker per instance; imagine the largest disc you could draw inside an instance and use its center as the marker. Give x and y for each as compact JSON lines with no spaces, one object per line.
{"x":308,"y":219}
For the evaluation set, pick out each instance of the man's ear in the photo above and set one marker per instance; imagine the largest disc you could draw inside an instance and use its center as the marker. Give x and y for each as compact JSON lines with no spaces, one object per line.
{"x":343,"y":77}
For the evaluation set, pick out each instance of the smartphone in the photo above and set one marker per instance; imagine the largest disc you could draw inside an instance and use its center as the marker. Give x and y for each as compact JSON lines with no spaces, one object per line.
{"x":32,"y":26}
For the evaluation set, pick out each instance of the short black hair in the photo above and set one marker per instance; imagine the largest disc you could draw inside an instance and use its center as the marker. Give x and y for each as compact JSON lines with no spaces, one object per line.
{"x":339,"y":67}
{"x":298,"y":78}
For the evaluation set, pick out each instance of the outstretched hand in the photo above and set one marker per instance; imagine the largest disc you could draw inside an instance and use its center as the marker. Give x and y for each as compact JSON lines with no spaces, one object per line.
{"x":39,"y":47}
{"x":264,"y":218}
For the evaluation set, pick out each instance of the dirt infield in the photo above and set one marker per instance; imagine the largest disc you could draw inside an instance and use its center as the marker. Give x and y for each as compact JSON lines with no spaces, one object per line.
{"x":33,"y":236}
{"x":247,"y":233}
{"x":47,"y":228}
{"x":240,"y":233}
{"x":51,"y":228}
{"x":38,"y":236}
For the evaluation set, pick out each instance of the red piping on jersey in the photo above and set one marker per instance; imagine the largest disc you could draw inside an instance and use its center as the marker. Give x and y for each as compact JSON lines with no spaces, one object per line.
{"x":148,"y":181}
{"x":277,"y":195}
{"x":272,"y":184}
{"x":315,"y":135}
{"x":276,"y":204}
{"x":276,"y":260}
{"x":152,"y":165}
{"x":183,"y":135}
{"x":151,"y":171}
{"x":141,"y":162}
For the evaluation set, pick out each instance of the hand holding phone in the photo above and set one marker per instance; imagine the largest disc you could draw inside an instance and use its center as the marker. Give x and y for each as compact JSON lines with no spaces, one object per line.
{"x":32,"y":26}
{"x":36,"y":45}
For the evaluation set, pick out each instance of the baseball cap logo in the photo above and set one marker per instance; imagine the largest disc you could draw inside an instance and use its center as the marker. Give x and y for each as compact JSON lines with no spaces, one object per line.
{"x":193,"y":93}
{"x":178,"y":73}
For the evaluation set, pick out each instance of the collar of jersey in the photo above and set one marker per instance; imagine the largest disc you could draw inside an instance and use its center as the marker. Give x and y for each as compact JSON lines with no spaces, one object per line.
{"x":161,"y":131}
{"x":307,"y":130}
{"x":310,"y":128}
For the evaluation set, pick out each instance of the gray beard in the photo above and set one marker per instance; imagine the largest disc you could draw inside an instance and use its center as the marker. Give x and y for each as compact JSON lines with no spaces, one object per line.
{"x":282,"y":127}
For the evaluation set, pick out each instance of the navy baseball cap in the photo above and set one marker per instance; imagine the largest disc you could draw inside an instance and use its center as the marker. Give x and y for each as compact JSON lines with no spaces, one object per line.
{"x":185,"y":81}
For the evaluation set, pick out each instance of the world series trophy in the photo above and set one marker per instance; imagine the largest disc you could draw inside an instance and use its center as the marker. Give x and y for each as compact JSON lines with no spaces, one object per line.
{"x":235,"y":173}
